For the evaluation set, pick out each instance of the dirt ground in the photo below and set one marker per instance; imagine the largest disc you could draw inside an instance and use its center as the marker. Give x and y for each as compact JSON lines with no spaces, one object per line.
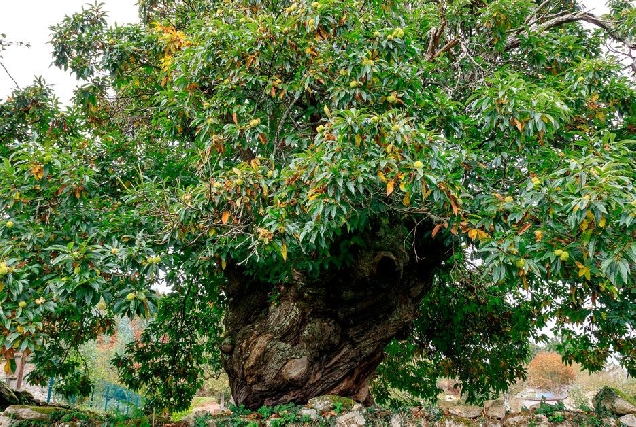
{"x":206,"y":405}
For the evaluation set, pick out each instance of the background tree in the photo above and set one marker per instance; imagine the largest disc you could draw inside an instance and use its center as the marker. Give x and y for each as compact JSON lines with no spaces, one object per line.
{"x":339,"y":182}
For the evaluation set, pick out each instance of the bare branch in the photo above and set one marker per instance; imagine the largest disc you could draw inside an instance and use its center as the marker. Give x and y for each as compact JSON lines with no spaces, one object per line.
{"x":531,"y":18}
{"x":513,"y":40}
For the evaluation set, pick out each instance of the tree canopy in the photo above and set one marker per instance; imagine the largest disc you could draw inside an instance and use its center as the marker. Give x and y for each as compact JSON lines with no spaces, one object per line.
{"x":486,"y":145}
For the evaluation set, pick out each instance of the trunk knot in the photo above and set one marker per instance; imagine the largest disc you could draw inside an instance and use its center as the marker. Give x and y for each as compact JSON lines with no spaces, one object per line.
{"x":387,"y":266}
{"x":227,"y":346}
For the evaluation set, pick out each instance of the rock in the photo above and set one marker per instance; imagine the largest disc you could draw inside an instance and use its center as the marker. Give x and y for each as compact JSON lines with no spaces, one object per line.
{"x":7,"y":397}
{"x":495,"y":409}
{"x":614,"y":401}
{"x":628,"y":420}
{"x":465,"y":411}
{"x":26,"y":398}
{"x":516,"y":404}
{"x":309,"y":412}
{"x":21,"y":412}
{"x":452,"y":422}
{"x":396,"y":421}
{"x":329,"y":403}
{"x":194,"y":417}
{"x":541,"y":420}
{"x":517,"y":420}
{"x":623,"y":407}
{"x":5,"y":421}
{"x":526,"y":419}
{"x":351,"y":419}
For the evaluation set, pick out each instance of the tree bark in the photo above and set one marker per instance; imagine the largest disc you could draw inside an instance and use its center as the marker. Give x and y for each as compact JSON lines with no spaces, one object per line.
{"x":323,"y":336}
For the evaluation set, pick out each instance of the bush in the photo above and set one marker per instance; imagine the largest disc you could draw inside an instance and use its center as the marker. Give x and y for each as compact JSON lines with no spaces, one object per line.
{"x":547,"y":371}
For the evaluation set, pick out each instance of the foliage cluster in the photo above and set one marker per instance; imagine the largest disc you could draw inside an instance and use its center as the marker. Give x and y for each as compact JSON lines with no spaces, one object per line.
{"x":553,"y":412}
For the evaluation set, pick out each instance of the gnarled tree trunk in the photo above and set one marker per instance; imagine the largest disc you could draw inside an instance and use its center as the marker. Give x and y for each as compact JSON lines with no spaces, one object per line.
{"x":324,"y":336}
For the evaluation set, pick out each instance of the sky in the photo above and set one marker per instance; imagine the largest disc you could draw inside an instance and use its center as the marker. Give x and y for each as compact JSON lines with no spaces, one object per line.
{"x":29,"y":21}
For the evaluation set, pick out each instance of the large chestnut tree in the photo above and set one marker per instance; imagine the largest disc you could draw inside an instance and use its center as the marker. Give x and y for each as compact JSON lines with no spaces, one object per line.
{"x":344,"y":197}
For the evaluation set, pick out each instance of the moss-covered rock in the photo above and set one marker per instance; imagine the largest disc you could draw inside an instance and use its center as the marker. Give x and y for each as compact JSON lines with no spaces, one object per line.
{"x":330,"y":403}
{"x":614,"y":401}
{"x":26,"y":412}
{"x":7,"y":397}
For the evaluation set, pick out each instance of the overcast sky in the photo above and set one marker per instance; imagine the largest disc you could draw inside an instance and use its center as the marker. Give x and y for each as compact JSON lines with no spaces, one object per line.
{"x":29,"y":21}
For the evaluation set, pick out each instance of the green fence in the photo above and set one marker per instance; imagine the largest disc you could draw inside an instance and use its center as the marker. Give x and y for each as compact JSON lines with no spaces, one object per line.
{"x":106,"y":396}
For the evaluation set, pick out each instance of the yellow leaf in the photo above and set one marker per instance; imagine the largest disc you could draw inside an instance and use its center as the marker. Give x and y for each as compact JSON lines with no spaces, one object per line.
{"x":283,"y":250}
{"x":425,"y":193}
{"x":584,"y":225}
{"x":37,"y":171}
{"x":481,"y":235}
{"x":381,"y":176}
{"x":472,"y":233}
{"x":402,"y":186}
{"x":223,"y":264}
{"x":407,"y":200}
{"x":7,"y":368}
{"x":225,"y":217}
{"x":538,"y":235}
{"x":358,"y":140}
{"x":602,"y":222}
{"x":585,"y":272}
{"x":389,"y":187}
{"x":327,"y":112}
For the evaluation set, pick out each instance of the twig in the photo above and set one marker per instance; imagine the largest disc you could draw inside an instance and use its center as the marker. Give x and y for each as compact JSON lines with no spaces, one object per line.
{"x":281,"y":123}
{"x":530,"y":19}
{"x":10,"y":76}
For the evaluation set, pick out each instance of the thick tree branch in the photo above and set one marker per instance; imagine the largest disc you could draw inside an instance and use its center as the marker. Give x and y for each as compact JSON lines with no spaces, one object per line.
{"x":513,"y":40}
{"x":448,"y":46}
{"x":435,"y":35}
